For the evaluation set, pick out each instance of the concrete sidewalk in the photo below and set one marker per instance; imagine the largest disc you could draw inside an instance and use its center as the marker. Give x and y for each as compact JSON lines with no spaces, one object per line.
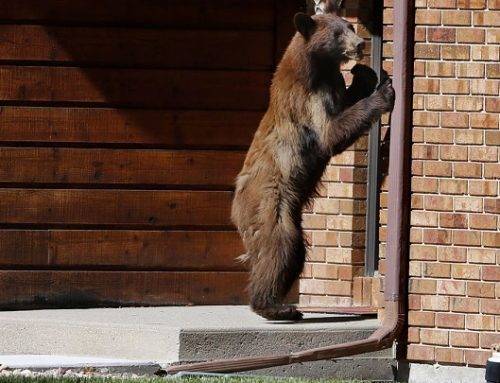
{"x":164,"y":335}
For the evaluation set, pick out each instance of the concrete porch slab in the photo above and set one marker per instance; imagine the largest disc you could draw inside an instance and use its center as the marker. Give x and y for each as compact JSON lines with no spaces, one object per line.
{"x":164,"y":335}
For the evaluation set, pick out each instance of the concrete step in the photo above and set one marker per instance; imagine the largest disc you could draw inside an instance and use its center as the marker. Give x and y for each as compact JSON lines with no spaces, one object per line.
{"x":165,"y":335}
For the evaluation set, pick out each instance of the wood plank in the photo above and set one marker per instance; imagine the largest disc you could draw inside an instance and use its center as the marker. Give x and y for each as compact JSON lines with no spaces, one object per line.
{"x":120,"y":250}
{"x":42,"y":289}
{"x":130,"y":208}
{"x":153,"y":48}
{"x":118,"y":167}
{"x":223,"y":14}
{"x":179,"y":129}
{"x":172,"y":89}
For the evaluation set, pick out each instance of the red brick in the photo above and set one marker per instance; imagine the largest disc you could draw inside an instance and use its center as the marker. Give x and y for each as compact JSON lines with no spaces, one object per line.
{"x":343,"y":288}
{"x":466,"y":237}
{"x":451,"y":186}
{"x":439,"y":102}
{"x":414,"y":302}
{"x":449,"y":355}
{"x":481,"y":289}
{"x":455,"y":52}
{"x":465,"y":272}
{"x":484,"y":154}
{"x":469,"y":104}
{"x":452,"y":254}
{"x":455,"y":120}
{"x":437,"y":270}
{"x":435,"y":303}
{"x":456,"y":17}
{"x":439,"y":69}
{"x":485,"y":53}
{"x":471,"y":70}
{"x":424,"y":185}
{"x":437,"y":169}
{"x":477,"y":357}
{"x":491,"y":170}
{"x":427,"y":51}
{"x":450,"y":287}
{"x":491,"y":239}
{"x":425,"y":152}
{"x":415,"y":269}
{"x":442,"y":4}
{"x":413,"y":335}
{"x":425,"y":118}
{"x":481,"y":256}
{"x":484,"y":87}
{"x":453,"y":153}
{"x":488,"y":340}
{"x":484,"y":121}
{"x":447,"y":320}
{"x":483,"y":222}
{"x":424,"y":219}
{"x":418,"y":352}
{"x":472,"y":4}
{"x":464,"y":305}
{"x":493,"y":71}
{"x":492,"y":105}
{"x":420,"y":318}
{"x":438,"y":203}
{"x":441,"y":35}
{"x":470,"y":35}
{"x":422,"y":286}
{"x":492,"y":205}
{"x":470,"y":204}
{"x":442,"y":136}
{"x":417,"y":168}
{"x":487,"y":18}
{"x":480,"y":322}
{"x":427,"y":17}
{"x":491,"y":273}
{"x":435,"y":236}
{"x":453,"y":220}
{"x":426,"y":86}
{"x":490,"y":306}
{"x":483,"y":188}
{"x":454,"y":86}
{"x":493,"y":36}
{"x":493,"y":138}
{"x":467,"y":170}
{"x":423,"y":253}
{"x":464,"y":339}
{"x":436,"y":337}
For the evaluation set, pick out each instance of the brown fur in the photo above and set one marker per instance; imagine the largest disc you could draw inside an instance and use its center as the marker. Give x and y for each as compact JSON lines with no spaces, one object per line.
{"x":311,"y":117}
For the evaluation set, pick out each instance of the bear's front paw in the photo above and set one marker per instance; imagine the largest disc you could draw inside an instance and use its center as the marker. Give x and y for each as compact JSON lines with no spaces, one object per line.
{"x":365,"y":76}
{"x":387,"y":94}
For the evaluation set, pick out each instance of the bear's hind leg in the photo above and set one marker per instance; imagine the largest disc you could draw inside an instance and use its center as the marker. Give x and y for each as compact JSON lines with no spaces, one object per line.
{"x":273,"y":275}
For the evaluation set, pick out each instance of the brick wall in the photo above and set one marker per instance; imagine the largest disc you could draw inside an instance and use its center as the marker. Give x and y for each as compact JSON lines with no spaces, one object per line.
{"x":454,"y":284}
{"x":335,"y":223}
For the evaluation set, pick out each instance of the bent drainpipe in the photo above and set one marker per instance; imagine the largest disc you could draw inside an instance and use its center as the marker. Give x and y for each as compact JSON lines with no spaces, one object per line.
{"x":398,"y":224}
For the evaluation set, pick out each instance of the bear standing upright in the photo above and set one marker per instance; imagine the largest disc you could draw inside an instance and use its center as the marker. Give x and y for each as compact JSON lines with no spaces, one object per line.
{"x":311,"y":117}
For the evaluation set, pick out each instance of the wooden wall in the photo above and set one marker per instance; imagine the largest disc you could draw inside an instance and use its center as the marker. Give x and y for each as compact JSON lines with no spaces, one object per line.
{"x":122,"y":126}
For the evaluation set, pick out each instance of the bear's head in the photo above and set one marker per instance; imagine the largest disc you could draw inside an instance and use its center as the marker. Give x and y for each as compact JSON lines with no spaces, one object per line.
{"x":329,"y":35}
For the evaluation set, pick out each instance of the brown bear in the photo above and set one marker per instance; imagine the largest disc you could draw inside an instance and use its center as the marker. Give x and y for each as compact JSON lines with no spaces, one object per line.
{"x":311,"y":117}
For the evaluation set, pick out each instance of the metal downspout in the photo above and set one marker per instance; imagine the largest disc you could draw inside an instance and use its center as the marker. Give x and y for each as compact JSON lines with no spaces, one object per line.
{"x":398,"y":224}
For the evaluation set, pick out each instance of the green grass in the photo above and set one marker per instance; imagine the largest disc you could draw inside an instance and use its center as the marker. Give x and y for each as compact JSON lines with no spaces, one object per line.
{"x":18,"y":379}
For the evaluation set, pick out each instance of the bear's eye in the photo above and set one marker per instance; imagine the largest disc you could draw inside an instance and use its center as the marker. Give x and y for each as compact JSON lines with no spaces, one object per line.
{"x":351,"y":27}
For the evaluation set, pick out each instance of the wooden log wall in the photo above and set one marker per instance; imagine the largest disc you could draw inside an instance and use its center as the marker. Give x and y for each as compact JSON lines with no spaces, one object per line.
{"x":122,"y":126}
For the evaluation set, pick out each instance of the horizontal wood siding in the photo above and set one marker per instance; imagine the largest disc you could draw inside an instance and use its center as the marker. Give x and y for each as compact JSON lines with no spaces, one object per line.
{"x":123,"y":124}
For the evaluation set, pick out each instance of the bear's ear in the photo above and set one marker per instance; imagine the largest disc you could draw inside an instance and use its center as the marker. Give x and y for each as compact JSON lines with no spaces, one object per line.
{"x":305,"y":25}
{"x":333,"y":6}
